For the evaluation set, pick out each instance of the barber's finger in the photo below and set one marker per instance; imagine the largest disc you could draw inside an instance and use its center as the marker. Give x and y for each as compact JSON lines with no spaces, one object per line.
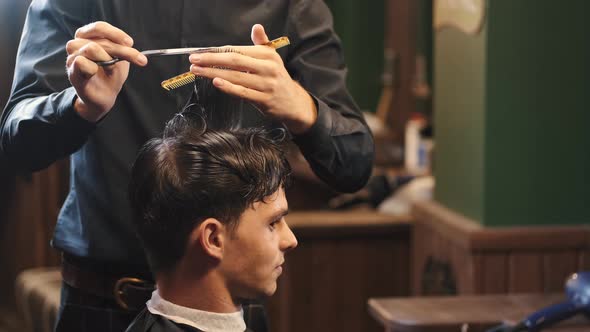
{"x":257,"y":51}
{"x":74,"y":45}
{"x":231,"y":60}
{"x":258,"y":35}
{"x":94,"y":52}
{"x":82,"y":67}
{"x":236,"y":77}
{"x":104,"y":30}
{"x":112,"y":50}
{"x":130,"y":54}
{"x":254,"y":96}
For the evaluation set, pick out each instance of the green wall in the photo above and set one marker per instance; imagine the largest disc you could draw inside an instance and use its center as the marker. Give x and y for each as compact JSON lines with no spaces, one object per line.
{"x":511,"y":111}
{"x":360,"y":25}
{"x":459,"y":120}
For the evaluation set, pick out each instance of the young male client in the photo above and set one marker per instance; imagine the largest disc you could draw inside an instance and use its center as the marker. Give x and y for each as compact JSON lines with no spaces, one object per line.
{"x":209,"y":206}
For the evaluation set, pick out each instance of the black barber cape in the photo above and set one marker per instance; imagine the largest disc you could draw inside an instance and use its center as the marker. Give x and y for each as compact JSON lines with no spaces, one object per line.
{"x":254,"y":317}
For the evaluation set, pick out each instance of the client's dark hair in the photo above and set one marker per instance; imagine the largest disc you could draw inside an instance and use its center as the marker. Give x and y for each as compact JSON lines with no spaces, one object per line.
{"x":193,"y":173}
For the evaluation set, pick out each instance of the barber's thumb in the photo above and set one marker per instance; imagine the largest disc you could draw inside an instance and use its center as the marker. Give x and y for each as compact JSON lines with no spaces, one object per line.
{"x":258,"y":35}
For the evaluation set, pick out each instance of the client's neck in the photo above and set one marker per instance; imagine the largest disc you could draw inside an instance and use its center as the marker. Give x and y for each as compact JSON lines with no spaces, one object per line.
{"x":203,"y":291}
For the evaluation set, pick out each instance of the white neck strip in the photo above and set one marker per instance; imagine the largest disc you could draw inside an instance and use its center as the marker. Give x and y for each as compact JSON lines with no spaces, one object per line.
{"x":202,"y":320}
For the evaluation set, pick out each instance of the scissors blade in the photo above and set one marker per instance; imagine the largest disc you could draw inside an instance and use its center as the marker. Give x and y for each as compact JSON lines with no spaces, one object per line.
{"x":178,"y":51}
{"x":275,"y":43}
{"x":166,"y":51}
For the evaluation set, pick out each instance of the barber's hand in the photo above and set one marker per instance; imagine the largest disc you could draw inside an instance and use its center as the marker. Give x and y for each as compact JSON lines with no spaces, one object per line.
{"x":97,"y":87}
{"x":257,"y":73}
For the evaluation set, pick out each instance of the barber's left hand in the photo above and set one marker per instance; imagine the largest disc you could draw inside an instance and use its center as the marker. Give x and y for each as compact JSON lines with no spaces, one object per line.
{"x":257,"y":74}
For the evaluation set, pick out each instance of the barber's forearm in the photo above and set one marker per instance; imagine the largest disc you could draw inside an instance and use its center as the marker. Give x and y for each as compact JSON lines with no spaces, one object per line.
{"x":307,"y":115}
{"x":339,"y":149}
{"x":38,"y":131}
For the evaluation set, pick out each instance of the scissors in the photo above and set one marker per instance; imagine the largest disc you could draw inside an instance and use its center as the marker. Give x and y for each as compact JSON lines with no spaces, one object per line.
{"x":166,"y":51}
{"x":276,"y":43}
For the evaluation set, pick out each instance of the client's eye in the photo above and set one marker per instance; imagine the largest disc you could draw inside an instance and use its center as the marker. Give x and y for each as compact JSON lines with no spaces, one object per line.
{"x":273,"y":224}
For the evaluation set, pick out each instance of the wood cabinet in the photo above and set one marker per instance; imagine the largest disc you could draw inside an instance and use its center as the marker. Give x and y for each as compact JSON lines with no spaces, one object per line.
{"x":455,"y":255}
{"x":342,"y":259}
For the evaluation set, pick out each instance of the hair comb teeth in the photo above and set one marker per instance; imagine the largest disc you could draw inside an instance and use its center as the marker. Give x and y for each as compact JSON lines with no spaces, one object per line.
{"x":178,"y":81}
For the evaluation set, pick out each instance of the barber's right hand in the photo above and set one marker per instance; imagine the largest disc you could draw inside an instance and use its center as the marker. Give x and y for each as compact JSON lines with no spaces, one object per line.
{"x":97,"y":87}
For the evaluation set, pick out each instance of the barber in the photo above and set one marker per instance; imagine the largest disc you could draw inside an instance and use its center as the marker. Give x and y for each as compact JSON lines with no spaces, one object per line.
{"x":100,"y":116}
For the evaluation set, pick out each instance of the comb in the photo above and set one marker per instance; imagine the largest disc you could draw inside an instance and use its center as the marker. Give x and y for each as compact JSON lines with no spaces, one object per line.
{"x":188,"y":77}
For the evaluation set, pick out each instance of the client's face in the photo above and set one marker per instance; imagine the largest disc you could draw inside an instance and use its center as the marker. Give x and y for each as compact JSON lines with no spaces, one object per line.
{"x":254,"y":254}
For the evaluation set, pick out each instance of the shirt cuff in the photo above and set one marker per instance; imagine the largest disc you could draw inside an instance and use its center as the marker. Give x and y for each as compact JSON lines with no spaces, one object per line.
{"x":320,"y":132}
{"x":68,"y":117}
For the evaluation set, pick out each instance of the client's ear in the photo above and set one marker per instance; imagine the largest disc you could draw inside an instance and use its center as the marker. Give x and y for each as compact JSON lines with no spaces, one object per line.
{"x":210,"y":236}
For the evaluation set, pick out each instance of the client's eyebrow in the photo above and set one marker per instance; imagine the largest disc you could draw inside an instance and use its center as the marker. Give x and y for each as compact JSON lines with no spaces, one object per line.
{"x":280,"y":214}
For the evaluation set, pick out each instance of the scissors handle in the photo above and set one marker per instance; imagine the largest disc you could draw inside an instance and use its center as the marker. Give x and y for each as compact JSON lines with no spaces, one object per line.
{"x":115,"y":60}
{"x":108,"y":63}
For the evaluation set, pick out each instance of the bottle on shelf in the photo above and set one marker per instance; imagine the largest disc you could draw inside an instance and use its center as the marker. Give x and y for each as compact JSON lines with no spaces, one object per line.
{"x":416,"y":148}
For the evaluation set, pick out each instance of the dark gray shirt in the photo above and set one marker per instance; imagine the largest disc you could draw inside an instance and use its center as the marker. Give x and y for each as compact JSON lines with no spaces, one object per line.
{"x":39,"y":124}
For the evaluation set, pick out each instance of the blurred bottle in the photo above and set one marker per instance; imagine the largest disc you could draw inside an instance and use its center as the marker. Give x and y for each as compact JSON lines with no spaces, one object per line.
{"x":417,"y":148}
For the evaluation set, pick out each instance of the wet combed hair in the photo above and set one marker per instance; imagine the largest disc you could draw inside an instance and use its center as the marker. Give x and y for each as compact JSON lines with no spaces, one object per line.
{"x":193,"y":173}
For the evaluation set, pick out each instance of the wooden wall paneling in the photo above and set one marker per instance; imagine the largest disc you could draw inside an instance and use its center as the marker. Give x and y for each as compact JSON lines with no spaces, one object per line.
{"x":446,"y":266}
{"x":340,"y":262}
{"x":394,"y":272}
{"x":294,"y":289}
{"x":350,"y":292}
{"x":21,"y":241}
{"x":438,"y":247}
{"x":463,"y":270}
{"x":525,"y":272}
{"x":428,"y":244}
{"x":492,"y":272}
{"x":432,"y":245}
{"x":423,"y":240}
{"x":323,"y":290}
{"x":28,"y":219}
{"x":394,"y":267}
{"x":498,"y":260}
{"x":557,"y":266}
{"x":583,"y":260}
{"x":526,"y":238}
{"x":478,"y":280}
